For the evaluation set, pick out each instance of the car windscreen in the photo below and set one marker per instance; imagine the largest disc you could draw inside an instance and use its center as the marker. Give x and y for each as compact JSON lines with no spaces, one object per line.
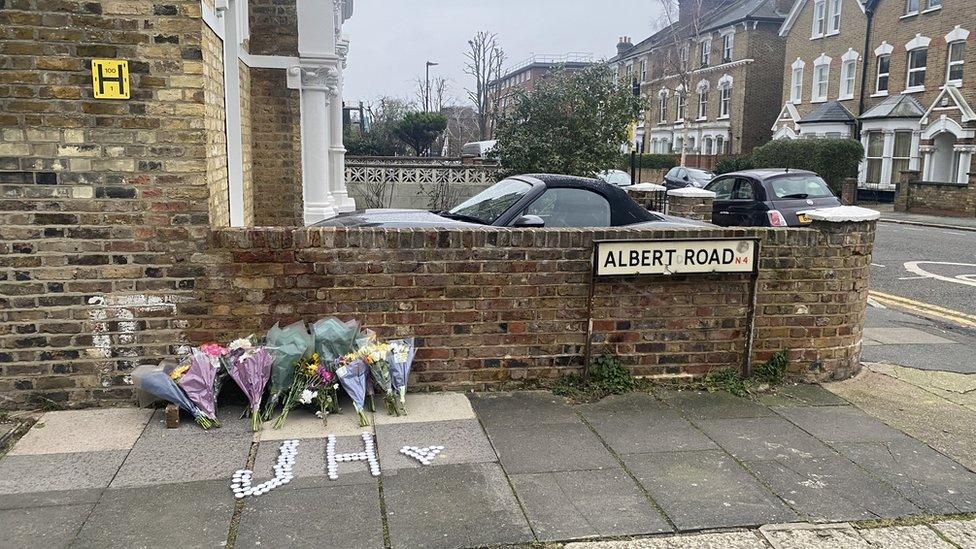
{"x":799,"y":186}
{"x":700,"y":175}
{"x":491,"y":203}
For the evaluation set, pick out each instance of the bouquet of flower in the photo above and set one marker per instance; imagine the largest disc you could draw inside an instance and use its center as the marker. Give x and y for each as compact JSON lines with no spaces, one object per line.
{"x":351,"y":372}
{"x":287,"y":346}
{"x":155,"y":381}
{"x":251,"y":369}
{"x":375,"y":356}
{"x":400,"y":359}
{"x":313,"y":383}
{"x":217,"y":354}
{"x":334,"y":338}
{"x":197,"y":380}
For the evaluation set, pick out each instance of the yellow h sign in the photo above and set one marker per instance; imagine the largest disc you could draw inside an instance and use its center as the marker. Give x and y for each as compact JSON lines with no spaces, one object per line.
{"x":110,"y":79}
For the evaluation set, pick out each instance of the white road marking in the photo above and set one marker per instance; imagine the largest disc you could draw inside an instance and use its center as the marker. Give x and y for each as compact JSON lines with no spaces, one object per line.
{"x":967,"y":279}
{"x":912,"y":277}
{"x":877,"y":265}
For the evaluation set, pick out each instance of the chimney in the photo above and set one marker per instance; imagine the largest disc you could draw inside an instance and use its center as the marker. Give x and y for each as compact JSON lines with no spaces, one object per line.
{"x":623,"y":44}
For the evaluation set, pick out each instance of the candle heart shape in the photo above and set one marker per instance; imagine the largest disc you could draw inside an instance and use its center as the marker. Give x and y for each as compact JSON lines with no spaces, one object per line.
{"x":424,"y":455}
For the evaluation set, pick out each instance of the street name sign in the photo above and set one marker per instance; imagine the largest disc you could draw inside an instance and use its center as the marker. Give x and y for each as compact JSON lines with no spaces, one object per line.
{"x":674,"y":257}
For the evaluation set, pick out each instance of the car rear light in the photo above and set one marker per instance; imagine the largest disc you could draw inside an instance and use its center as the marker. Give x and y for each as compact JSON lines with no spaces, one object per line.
{"x":776,"y":219}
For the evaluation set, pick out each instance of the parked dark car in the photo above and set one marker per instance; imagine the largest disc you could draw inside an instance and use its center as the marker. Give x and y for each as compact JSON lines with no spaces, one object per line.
{"x":768,"y":198}
{"x":680,"y":177}
{"x":539,"y":200}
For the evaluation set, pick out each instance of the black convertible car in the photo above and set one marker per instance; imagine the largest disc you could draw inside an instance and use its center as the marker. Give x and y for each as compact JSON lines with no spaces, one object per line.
{"x":538,"y":200}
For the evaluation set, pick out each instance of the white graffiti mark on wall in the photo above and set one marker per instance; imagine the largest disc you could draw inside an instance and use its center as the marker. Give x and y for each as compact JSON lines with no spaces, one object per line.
{"x":115,"y":319}
{"x":969,"y":279}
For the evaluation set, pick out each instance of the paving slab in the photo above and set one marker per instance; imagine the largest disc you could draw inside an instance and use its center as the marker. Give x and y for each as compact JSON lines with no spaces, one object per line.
{"x":229,"y":416}
{"x":831,"y":488}
{"x":762,"y":438}
{"x":53,"y":472}
{"x":960,"y":532}
{"x":464,"y":441}
{"x":724,"y":540}
{"x":638,"y":423}
{"x":552,"y":447}
{"x":302,"y":424}
{"x":706,"y":489}
{"x":194,"y":514}
{"x":905,"y":537}
{"x":929,"y":479}
{"x":102,"y":430}
{"x":943,"y":425}
{"x":801,"y":394}
{"x":813,"y":536}
{"x":42,"y":527}
{"x":310,"y":467}
{"x":903,"y":336}
{"x":508,"y":409}
{"x":50,"y":499}
{"x":331,"y":516}
{"x":581,"y":504}
{"x":179,"y":455}
{"x":423,"y":505}
{"x":427,"y":407}
{"x":839,"y":424}
{"x":712,"y":405}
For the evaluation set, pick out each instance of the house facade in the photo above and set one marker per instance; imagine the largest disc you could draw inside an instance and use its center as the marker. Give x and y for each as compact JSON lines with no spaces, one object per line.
{"x":524,"y":76}
{"x":892,"y":73}
{"x":711,"y":80}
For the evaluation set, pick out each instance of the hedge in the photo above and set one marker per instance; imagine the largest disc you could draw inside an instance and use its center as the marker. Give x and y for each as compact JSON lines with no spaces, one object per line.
{"x":650,"y":161}
{"x":832,"y":159}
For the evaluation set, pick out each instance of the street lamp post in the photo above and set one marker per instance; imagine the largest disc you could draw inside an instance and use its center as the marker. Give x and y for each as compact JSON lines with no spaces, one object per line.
{"x":427,"y":91}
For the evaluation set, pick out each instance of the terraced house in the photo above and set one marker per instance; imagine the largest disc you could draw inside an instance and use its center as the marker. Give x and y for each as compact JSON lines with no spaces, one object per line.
{"x":892,"y":73}
{"x":712,"y":78}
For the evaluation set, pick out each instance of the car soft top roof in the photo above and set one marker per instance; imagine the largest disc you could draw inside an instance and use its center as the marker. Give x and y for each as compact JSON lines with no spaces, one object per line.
{"x":769,"y":173}
{"x":625,"y":210}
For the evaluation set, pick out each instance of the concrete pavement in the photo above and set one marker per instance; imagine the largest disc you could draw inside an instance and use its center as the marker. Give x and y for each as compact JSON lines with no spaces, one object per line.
{"x":517,"y":468}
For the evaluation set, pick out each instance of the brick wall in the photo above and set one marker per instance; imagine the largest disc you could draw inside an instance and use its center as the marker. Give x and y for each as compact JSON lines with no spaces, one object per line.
{"x":924,"y":197}
{"x":246,"y":156}
{"x":276,"y":150}
{"x":215,"y":127}
{"x":759,"y":90}
{"x":101,"y":202}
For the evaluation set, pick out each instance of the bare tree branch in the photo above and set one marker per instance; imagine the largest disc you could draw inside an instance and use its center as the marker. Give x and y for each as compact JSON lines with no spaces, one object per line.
{"x":485,"y":61}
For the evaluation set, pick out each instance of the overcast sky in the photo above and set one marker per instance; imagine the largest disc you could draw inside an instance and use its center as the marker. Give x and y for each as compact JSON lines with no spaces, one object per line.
{"x":391,"y":39}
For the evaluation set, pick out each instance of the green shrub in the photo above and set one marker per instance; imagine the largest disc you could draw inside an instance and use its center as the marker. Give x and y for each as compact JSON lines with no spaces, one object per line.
{"x":650,"y":161}
{"x":832,"y":159}
{"x":733,"y":164}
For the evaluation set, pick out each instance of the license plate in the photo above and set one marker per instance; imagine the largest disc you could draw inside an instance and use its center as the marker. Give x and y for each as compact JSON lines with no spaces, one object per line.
{"x":803,"y":219}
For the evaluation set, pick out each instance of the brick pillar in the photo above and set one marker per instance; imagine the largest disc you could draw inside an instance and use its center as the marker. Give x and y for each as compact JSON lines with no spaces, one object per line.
{"x":691,"y":202}
{"x":848,"y":195}
{"x":904,"y":188}
{"x":649,"y":195}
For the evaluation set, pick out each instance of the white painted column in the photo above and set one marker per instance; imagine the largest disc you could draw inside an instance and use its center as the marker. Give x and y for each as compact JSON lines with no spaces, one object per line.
{"x":965,"y":161}
{"x":914,"y":160}
{"x":926,"y":151}
{"x":317,"y":92}
{"x":862,"y":168}
{"x":889,"y":152}
{"x":337,"y":151}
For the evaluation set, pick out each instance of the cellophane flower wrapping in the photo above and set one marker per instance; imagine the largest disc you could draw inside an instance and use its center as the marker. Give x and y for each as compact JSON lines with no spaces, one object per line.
{"x":352,"y":377}
{"x":400,"y":359}
{"x":251,"y":369}
{"x":155,"y":381}
{"x":375,"y":356}
{"x":334,"y":338}
{"x":287,"y":345}
{"x":217,"y":354}
{"x":198,"y":383}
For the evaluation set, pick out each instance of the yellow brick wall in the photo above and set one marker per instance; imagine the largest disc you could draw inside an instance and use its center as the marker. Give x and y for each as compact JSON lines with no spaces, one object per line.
{"x":214,"y":127}
{"x":248,"y":187}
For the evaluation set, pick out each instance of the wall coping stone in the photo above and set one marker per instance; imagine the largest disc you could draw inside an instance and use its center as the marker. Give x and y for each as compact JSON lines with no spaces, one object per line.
{"x":646,"y":187}
{"x":843,"y":214}
{"x":691,"y":192}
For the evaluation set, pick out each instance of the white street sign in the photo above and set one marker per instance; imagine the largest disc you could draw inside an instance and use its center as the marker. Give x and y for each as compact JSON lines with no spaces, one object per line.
{"x":666,"y":257}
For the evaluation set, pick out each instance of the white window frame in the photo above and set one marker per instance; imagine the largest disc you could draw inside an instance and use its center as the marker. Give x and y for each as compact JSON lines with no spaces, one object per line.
{"x":833,"y":16}
{"x":663,"y":104}
{"x":705,"y":52}
{"x":909,"y":71}
{"x":820,"y":82}
{"x":878,"y":74}
{"x":909,"y":10}
{"x":703,"y":87}
{"x":848,"y":81}
{"x":728,"y":45}
{"x":724,"y":102}
{"x":643,"y":70}
{"x":682,"y":106}
{"x":819,"y":19}
{"x":950,"y":63}
{"x":932,"y":5}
